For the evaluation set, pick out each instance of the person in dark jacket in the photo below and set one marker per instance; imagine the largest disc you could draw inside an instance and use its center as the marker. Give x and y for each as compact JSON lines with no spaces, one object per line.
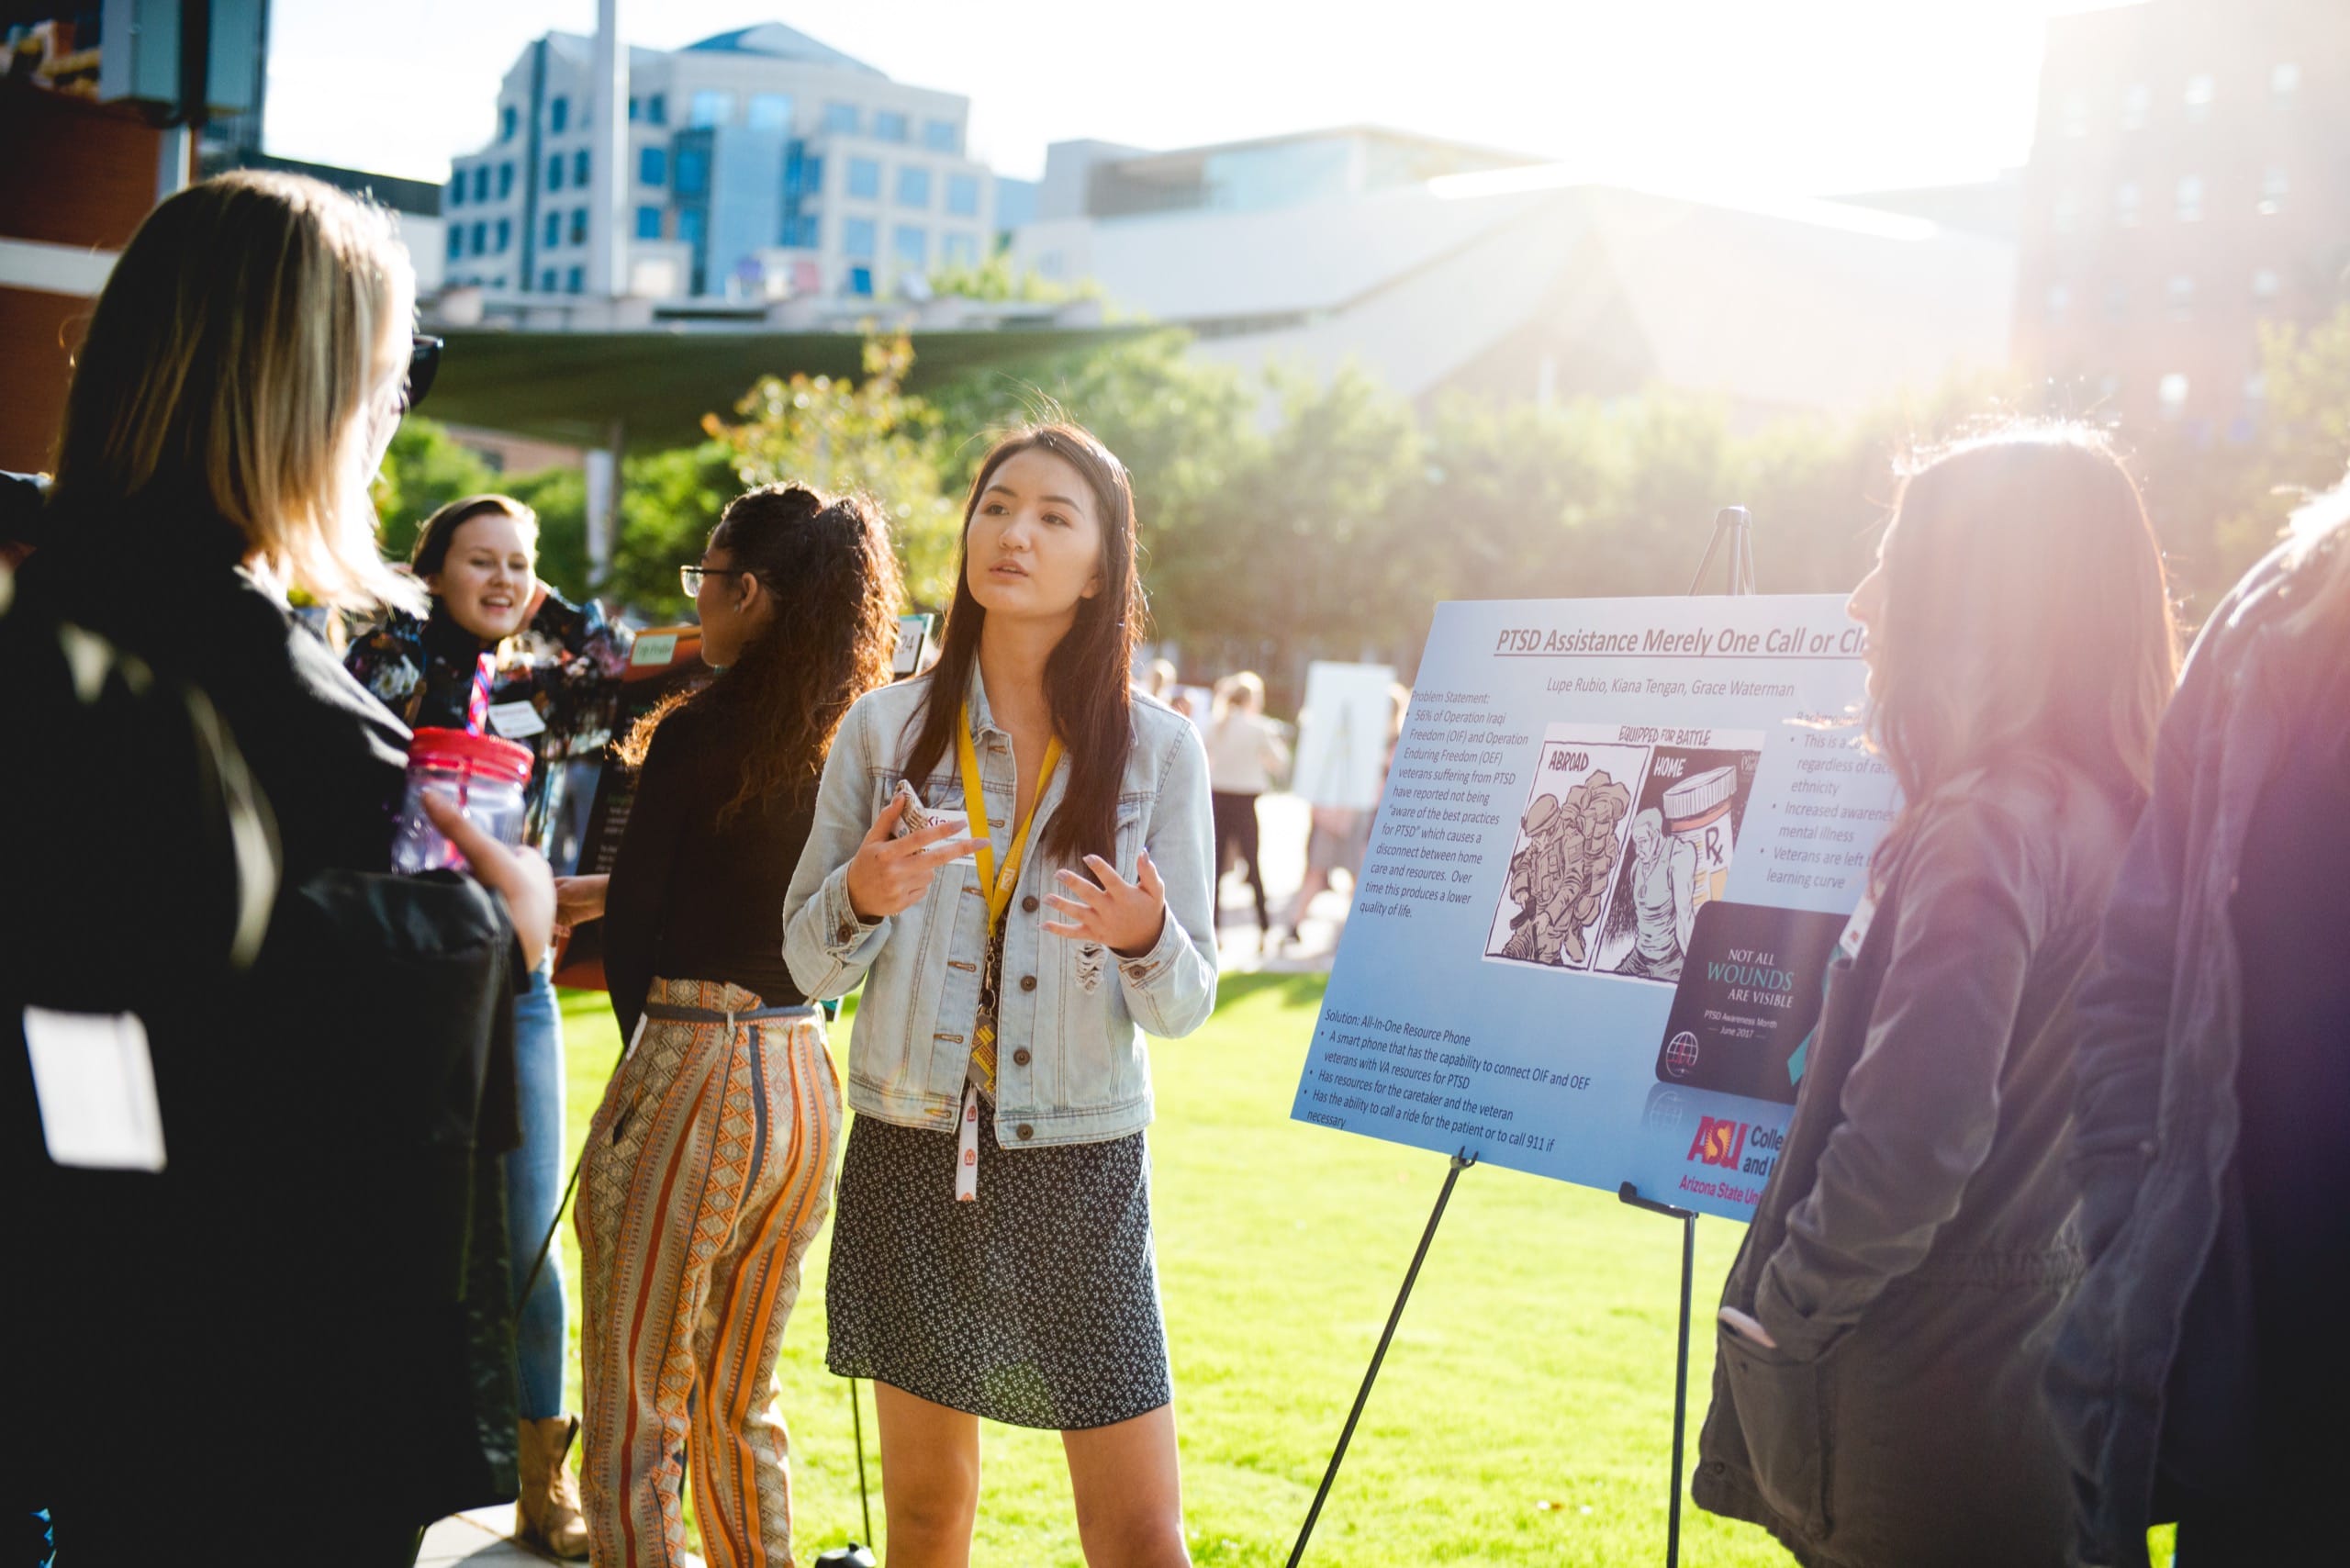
{"x":1875,"y":1391}
{"x":308,"y":1303}
{"x":501,"y":652}
{"x":2200,"y":1371}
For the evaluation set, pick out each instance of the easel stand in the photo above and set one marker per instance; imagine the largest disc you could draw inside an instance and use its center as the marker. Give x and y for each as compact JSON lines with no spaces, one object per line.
{"x":1733,"y":526}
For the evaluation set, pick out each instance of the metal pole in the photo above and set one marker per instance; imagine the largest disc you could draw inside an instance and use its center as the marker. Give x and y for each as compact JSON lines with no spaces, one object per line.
{"x":1460,"y":1163}
{"x":857,"y":1419}
{"x":1629,"y":1193}
{"x":1680,"y":1388}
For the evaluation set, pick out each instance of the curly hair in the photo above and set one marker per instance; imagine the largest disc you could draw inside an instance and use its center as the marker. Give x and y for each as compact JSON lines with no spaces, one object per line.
{"x":835,"y":579}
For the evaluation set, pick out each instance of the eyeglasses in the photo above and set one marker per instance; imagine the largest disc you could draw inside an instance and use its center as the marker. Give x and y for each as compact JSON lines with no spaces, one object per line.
{"x":691,"y":576}
{"x":424,"y":360}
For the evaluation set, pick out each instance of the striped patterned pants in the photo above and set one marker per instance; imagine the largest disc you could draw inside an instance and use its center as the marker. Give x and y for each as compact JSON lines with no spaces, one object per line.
{"x":709,"y":1167}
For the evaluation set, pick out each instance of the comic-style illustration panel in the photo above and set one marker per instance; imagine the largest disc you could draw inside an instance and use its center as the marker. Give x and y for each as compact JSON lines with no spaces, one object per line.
{"x":1569,"y":839}
{"x":1682,"y":834}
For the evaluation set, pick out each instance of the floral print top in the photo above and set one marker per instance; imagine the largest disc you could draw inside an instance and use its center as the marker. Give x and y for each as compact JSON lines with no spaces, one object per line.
{"x":566,"y":664}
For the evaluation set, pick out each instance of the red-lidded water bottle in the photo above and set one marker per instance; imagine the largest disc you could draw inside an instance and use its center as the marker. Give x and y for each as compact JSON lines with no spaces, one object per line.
{"x":481,"y":774}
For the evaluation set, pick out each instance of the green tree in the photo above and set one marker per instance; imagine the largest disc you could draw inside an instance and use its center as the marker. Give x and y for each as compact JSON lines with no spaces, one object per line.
{"x":669,"y":502}
{"x":424,"y":470}
{"x":868,"y":436}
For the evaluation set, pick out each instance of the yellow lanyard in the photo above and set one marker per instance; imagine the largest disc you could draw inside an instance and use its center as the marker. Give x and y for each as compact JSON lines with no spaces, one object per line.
{"x":998,"y":884}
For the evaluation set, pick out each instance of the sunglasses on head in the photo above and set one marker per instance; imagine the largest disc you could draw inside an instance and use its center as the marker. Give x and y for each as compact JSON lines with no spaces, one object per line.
{"x":424,"y":360}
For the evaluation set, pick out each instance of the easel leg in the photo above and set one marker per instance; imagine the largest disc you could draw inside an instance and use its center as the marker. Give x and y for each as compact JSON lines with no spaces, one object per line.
{"x":1460,"y":1163}
{"x":1688,"y":1218}
{"x":1680,"y":1387}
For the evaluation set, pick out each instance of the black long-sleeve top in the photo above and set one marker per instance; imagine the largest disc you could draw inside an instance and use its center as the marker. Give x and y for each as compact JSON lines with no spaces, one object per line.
{"x":692,"y":896}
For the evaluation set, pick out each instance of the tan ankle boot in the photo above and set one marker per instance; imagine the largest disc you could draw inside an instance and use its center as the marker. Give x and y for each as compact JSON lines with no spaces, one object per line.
{"x":547,"y":1514}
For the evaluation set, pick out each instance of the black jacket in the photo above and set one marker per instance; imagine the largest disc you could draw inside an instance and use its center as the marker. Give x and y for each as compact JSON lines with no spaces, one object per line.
{"x":327,"y":1239}
{"x":2157,"y":1120}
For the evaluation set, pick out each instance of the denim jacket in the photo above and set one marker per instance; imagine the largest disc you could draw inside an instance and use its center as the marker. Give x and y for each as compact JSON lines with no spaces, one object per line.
{"x":1071,"y":1064}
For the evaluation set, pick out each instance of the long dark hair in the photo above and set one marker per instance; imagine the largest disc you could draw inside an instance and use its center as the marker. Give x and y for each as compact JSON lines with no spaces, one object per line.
{"x":2026,"y":613}
{"x":834,"y":580}
{"x":1086,"y":675}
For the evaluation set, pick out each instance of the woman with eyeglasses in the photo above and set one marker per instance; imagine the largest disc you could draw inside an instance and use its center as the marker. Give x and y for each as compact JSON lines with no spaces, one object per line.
{"x":503,"y":654}
{"x":709,"y":1165}
{"x":317,"y":1274}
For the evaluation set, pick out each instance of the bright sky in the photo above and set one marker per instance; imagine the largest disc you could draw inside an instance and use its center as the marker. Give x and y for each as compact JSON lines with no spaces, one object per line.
{"x":1773,"y":96}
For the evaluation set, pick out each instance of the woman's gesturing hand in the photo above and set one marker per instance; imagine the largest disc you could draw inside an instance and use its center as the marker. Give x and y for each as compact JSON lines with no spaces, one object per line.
{"x":521,"y":876}
{"x":1126,"y":917}
{"x":892,"y":874}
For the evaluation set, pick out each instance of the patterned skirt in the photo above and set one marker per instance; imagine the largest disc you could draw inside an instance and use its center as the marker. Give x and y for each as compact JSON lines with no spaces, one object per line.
{"x":1036,"y":1306}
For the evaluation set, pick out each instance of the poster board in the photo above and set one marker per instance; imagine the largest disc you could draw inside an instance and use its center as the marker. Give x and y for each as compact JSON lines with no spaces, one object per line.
{"x":1342,"y":735}
{"x":1619,"y":843}
{"x":663,"y":660}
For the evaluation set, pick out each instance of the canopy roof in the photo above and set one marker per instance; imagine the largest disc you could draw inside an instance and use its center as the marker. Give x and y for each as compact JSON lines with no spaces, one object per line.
{"x":571,"y":387}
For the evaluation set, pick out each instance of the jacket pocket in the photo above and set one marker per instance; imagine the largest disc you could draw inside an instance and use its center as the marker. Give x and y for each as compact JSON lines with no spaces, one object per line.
{"x":1783,"y":1413}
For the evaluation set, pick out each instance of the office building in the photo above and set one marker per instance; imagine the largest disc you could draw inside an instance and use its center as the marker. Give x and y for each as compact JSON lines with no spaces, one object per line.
{"x":761,"y":164}
{"x":2190,"y":180}
{"x":1433,"y":267}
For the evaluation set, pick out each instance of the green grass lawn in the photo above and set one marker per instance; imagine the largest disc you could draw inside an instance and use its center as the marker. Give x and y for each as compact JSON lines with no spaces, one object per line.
{"x":1525,"y":1411}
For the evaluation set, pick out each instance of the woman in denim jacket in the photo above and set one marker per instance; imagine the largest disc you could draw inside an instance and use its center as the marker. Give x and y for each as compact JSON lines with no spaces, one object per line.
{"x":2200,"y":1372}
{"x":991,"y":1250}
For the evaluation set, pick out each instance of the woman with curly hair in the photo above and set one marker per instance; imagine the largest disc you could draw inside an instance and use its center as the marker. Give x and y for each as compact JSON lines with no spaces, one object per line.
{"x":709,"y":1165}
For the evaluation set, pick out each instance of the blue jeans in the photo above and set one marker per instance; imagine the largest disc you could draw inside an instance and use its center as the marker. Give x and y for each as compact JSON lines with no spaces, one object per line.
{"x":534,"y":1176}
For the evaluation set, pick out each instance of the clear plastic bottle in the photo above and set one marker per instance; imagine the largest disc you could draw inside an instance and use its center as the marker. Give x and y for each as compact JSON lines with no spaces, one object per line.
{"x":481,"y":774}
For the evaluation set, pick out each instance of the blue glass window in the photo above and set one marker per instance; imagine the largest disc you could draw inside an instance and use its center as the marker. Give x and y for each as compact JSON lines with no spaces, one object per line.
{"x":576,"y":280}
{"x":505,"y":121}
{"x":457,"y":188}
{"x":456,"y":241}
{"x":648,"y":223}
{"x":656,"y":109}
{"x":505,"y":180}
{"x":913,"y":186}
{"x":579,"y":167}
{"x":801,"y":232}
{"x":860,"y":280}
{"x":963,"y":195}
{"x":842,"y":119}
{"x":693,"y":170}
{"x":653,"y":165}
{"x":770,"y":111}
{"x":555,"y":233}
{"x":863,"y":177}
{"x":710,"y":106}
{"x":558,"y":114}
{"x":857,"y":237}
{"x":889,"y":125}
{"x":941,"y":135}
{"x":505,"y":235}
{"x":690,"y":224}
{"x":909,"y":244}
{"x":579,"y":226}
{"x":554,"y":172}
{"x":546,"y":280}
{"x":481,"y":236}
{"x":481,"y":181}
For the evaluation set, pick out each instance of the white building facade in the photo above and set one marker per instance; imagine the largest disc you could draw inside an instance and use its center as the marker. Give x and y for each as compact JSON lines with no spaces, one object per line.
{"x":1432,"y":266}
{"x":761,"y":165}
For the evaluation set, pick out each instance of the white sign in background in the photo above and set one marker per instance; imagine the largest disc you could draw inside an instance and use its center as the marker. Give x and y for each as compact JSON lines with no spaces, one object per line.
{"x":1342,"y":735}
{"x":1577,"y":780}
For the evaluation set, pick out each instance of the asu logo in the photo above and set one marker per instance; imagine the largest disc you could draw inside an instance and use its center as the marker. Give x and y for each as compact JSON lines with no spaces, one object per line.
{"x":1719,"y":1142}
